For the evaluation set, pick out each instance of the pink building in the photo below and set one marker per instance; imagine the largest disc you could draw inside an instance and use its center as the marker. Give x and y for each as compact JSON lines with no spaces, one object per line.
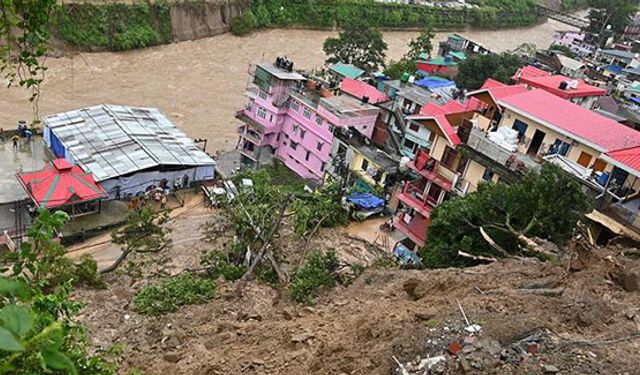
{"x":581,"y":43}
{"x":293,"y":119}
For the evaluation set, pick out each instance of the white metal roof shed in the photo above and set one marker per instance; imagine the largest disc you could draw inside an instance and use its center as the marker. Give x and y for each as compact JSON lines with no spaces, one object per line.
{"x":113,"y":140}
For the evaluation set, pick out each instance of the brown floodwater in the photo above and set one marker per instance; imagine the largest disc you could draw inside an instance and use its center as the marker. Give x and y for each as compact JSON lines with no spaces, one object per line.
{"x":199,"y":84}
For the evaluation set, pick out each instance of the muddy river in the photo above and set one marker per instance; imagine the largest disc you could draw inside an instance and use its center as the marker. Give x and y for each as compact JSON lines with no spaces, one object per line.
{"x":200,"y":84}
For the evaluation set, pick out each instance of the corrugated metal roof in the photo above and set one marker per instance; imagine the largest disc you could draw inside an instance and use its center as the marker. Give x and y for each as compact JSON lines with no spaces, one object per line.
{"x":113,"y":140}
{"x":347,"y":70}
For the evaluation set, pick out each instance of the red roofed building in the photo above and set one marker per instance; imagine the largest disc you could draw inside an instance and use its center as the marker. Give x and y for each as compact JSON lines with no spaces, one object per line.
{"x":575,"y":90}
{"x":65,"y":186}
{"x":361,"y":90}
{"x":489,"y":94}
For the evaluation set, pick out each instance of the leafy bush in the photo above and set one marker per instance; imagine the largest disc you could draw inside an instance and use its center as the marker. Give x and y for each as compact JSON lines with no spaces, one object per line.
{"x":244,"y":24}
{"x":323,"y":207}
{"x":218,"y":264}
{"x":319,"y":271}
{"x":173,"y":292}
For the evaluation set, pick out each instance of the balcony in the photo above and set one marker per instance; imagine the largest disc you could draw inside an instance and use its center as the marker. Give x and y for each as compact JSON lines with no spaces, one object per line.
{"x":245,"y":132}
{"x":414,"y":227}
{"x":514,"y":161}
{"x":430,"y":169}
{"x":415,"y":197}
{"x":247,"y":117}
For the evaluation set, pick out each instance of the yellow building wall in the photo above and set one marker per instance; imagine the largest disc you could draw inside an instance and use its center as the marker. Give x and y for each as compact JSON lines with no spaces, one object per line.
{"x":550,"y":137}
{"x":356,"y":167}
{"x":474,"y":174}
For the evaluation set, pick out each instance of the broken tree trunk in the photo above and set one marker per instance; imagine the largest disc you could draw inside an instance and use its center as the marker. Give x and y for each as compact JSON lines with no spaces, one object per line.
{"x":116,"y":264}
{"x":266,"y":241}
{"x":532,"y":246}
{"x":476,"y":257}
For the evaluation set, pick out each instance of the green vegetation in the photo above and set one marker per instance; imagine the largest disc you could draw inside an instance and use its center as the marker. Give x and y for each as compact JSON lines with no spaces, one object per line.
{"x":507,"y":214}
{"x":245,"y":23}
{"x":358,"y":45}
{"x":616,"y":13}
{"x":395,"y":69}
{"x":38,"y":333}
{"x":476,"y":69}
{"x":329,"y":13}
{"x":173,"y":292}
{"x":319,"y":271}
{"x":115,"y":26}
{"x":564,"y":50}
{"x":320,"y":208}
{"x":218,"y":264}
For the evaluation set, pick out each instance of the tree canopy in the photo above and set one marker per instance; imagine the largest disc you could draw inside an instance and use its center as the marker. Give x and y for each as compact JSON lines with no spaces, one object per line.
{"x":421,"y":44}
{"x":476,"y":69}
{"x":617,"y":13}
{"x":359,"y":45}
{"x":505,"y":213}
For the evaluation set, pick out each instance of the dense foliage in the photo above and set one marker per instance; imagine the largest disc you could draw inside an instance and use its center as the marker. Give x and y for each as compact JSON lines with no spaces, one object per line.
{"x":331,"y":13}
{"x":564,"y":50}
{"x":173,"y":292}
{"x":142,"y":231}
{"x":218,"y":264}
{"x":245,"y":23}
{"x":395,"y":69}
{"x":421,"y":44}
{"x":115,"y":26}
{"x":505,"y":212}
{"x":319,"y":271}
{"x":358,"y":45}
{"x":617,"y":13}
{"x":37,"y":329}
{"x":322,"y":207}
{"x":476,"y":69}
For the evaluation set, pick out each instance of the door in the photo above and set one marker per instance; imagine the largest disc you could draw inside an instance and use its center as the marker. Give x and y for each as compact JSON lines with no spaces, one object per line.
{"x":536,"y":142}
{"x":584,"y":159}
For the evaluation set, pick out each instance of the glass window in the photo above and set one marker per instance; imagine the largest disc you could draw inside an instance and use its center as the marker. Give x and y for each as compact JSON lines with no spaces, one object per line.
{"x":295,"y":106}
{"x":294,"y":145}
{"x":414,"y":127}
{"x":307,"y":156}
{"x":307,"y":113}
{"x":449,"y":157}
{"x":488,"y":175}
{"x":331,"y":127}
{"x":323,"y":166}
{"x":319,"y":146}
{"x":295,"y":128}
{"x":365,"y":164}
{"x":262,"y":94}
{"x":319,"y":120}
{"x":302,"y":133}
{"x":262,"y":113}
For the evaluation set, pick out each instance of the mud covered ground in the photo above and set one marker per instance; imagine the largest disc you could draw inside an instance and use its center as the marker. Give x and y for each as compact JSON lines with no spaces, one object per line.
{"x":535,"y":317}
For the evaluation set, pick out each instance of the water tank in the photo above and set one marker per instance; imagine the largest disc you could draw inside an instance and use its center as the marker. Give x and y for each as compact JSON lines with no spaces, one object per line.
{"x":603,"y":178}
{"x":405,"y":77}
{"x":403,"y":163}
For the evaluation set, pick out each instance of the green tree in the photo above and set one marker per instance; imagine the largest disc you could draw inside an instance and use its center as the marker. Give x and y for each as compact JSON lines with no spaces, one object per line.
{"x":476,"y":69}
{"x":24,"y":36}
{"x":263,"y":17}
{"x":564,"y":49}
{"x":395,"y":69}
{"x":546,"y":205}
{"x":244,"y":24}
{"x":421,"y":44}
{"x":359,"y":45}
{"x":617,"y":13}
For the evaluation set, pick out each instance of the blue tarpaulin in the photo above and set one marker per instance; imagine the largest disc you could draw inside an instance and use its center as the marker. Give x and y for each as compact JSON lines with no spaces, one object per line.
{"x":434,"y":83}
{"x":365,"y":200}
{"x":614,"y":69}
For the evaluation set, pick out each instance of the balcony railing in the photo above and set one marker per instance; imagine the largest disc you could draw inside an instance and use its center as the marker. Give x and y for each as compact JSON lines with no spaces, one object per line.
{"x":515,"y":161}
{"x":432,"y":171}
{"x":414,"y":227}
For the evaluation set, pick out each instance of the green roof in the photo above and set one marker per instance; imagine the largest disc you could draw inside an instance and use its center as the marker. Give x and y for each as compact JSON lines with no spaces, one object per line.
{"x":458,"y":55}
{"x":634,"y":88}
{"x":347,"y":70}
{"x":423,"y":56}
{"x":441,"y":61}
{"x":456,"y":37}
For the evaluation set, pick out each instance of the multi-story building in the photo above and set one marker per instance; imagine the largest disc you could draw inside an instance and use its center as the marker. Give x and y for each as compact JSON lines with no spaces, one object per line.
{"x":584,"y":44}
{"x":293,"y":119}
{"x":573,"y":89}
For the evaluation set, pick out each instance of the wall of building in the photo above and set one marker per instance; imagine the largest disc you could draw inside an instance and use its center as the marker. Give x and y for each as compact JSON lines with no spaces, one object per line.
{"x":576,"y":149}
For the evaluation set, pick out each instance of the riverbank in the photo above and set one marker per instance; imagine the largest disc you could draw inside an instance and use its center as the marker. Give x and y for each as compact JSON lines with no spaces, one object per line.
{"x":200,"y":84}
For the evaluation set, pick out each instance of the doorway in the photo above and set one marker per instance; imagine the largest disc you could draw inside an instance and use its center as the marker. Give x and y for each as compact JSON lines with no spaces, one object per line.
{"x":536,"y":142}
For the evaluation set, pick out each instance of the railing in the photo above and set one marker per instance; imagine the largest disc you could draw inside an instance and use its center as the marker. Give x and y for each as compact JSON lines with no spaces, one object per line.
{"x":416,"y":228}
{"x":479,"y":142}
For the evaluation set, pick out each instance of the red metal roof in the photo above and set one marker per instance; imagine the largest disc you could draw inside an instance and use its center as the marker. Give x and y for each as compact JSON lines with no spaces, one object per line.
{"x":629,"y":158}
{"x":499,"y":90}
{"x":360,"y":89}
{"x":537,"y":78}
{"x":59,"y":184}
{"x":580,"y":123}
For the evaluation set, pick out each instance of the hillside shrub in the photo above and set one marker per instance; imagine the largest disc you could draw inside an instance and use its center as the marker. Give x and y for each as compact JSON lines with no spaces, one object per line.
{"x":319,"y":271}
{"x":244,"y":24}
{"x":173,"y":292}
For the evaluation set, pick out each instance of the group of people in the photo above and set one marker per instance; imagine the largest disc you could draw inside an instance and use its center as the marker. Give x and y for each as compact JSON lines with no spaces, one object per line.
{"x":23,"y":132}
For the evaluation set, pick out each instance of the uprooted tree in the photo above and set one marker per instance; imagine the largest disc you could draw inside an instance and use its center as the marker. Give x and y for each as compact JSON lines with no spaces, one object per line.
{"x":500,"y":220}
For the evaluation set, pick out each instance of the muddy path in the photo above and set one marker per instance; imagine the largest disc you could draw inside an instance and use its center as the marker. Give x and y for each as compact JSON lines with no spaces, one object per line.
{"x":199,"y":84}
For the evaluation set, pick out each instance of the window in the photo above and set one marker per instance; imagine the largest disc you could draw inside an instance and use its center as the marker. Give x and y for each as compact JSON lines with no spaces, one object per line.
{"x":295,"y":128}
{"x":295,"y":106}
{"x":262,"y":95}
{"x":409,"y":144}
{"x":270,"y":118}
{"x":449,"y":157}
{"x":307,"y":156}
{"x":560,"y":147}
{"x":414,"y":127}
{"x":331,"y":128}
{"x":365,"y":164}
{"x":307,"y":113}
{"x":302,"y":133}
{"x":488,"y":175}
{"x":262,"y":113}
{"x":319,"y":146}
{"x":319,"y":120}
{"x":521,"y":127}
{"x":278,"y":138}
{"x":324,"y":164}
{"x":294,"y":145}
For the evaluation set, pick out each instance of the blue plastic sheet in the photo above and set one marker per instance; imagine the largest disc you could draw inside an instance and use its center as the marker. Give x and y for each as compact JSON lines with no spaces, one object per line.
{"x":365,"y":200}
